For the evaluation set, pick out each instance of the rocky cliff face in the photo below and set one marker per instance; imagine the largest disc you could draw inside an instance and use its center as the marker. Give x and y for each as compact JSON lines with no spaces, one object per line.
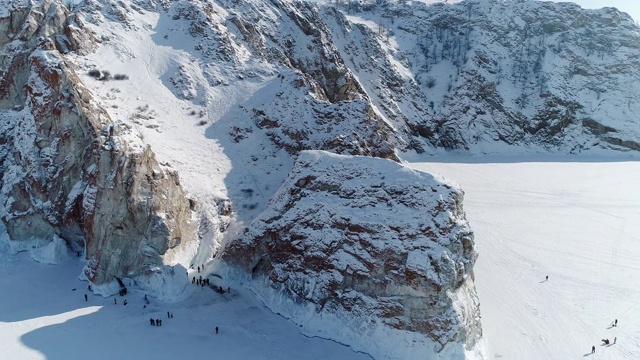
{"x":319,"y":102}
{"x":64,"y":168}
{"x":480,"y":76}
{"x":371,"y":242}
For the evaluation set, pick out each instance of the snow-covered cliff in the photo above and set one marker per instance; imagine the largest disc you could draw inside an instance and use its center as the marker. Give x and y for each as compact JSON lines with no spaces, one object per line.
{"x":65,"y":170}
{"x":487,"y":76}
{"x":381,"y":251}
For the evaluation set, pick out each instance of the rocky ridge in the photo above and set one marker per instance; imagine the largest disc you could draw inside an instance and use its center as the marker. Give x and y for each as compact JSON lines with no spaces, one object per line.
{"x":486,"y":76}
{"x":66,"y":171}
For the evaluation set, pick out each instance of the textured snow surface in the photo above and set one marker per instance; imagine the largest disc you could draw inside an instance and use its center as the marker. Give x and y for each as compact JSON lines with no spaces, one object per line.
{"x":576,"y":220}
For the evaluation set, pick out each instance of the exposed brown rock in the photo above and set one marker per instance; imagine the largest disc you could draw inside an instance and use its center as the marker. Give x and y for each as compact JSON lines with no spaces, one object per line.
{"x":66,"y":170}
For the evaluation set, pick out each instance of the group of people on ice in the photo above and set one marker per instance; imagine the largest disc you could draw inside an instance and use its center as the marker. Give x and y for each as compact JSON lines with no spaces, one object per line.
{"x":200,"y":281}
{"x":607,"y":341}
{"x":158,"y":322}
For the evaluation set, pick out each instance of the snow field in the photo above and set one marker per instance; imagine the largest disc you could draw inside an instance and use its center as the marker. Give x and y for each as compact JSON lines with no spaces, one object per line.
{"x":578,"y":223}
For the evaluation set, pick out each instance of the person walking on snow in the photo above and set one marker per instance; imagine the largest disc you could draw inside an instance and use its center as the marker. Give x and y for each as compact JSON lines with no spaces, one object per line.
{"x":615,"y":339}
{"x":615,"y":323}
{"x":86,"y":298}
{"x":593,"y":349}
{"x":547,"y":278}
{"x":115,"y":302}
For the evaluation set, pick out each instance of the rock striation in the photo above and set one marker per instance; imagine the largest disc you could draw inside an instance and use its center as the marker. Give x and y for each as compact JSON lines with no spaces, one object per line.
{"x":369,"y":239}
{"x":65,"y":169}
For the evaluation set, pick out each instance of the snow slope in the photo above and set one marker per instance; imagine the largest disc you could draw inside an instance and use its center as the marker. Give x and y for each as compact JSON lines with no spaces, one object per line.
{"x":571,"y":219}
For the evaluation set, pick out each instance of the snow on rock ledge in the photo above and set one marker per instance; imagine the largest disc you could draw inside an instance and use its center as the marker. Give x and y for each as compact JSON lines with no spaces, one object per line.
{"x":383,"y":250}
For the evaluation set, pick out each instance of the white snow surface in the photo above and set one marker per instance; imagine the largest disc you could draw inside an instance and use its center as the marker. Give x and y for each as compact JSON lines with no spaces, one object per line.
{"x":576,"y":220}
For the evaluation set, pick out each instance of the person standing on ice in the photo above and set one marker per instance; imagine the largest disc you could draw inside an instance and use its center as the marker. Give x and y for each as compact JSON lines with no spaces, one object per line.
{"x":615,"y":323}
{"x":547,"y":278}
{"x":593,"y":349}
{"x":86,"y":298}
{"x":615,"y":339}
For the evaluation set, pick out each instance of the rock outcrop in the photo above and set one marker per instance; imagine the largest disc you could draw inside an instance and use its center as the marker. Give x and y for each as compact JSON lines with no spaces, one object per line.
{"x":66,"y":169}
{"x":316,"y":102}
{"x":368,"y":239}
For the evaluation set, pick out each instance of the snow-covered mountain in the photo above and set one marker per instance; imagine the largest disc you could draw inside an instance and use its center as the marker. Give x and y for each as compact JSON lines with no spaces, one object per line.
{"x":150,"y":134}
{"x":479,"y":75}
